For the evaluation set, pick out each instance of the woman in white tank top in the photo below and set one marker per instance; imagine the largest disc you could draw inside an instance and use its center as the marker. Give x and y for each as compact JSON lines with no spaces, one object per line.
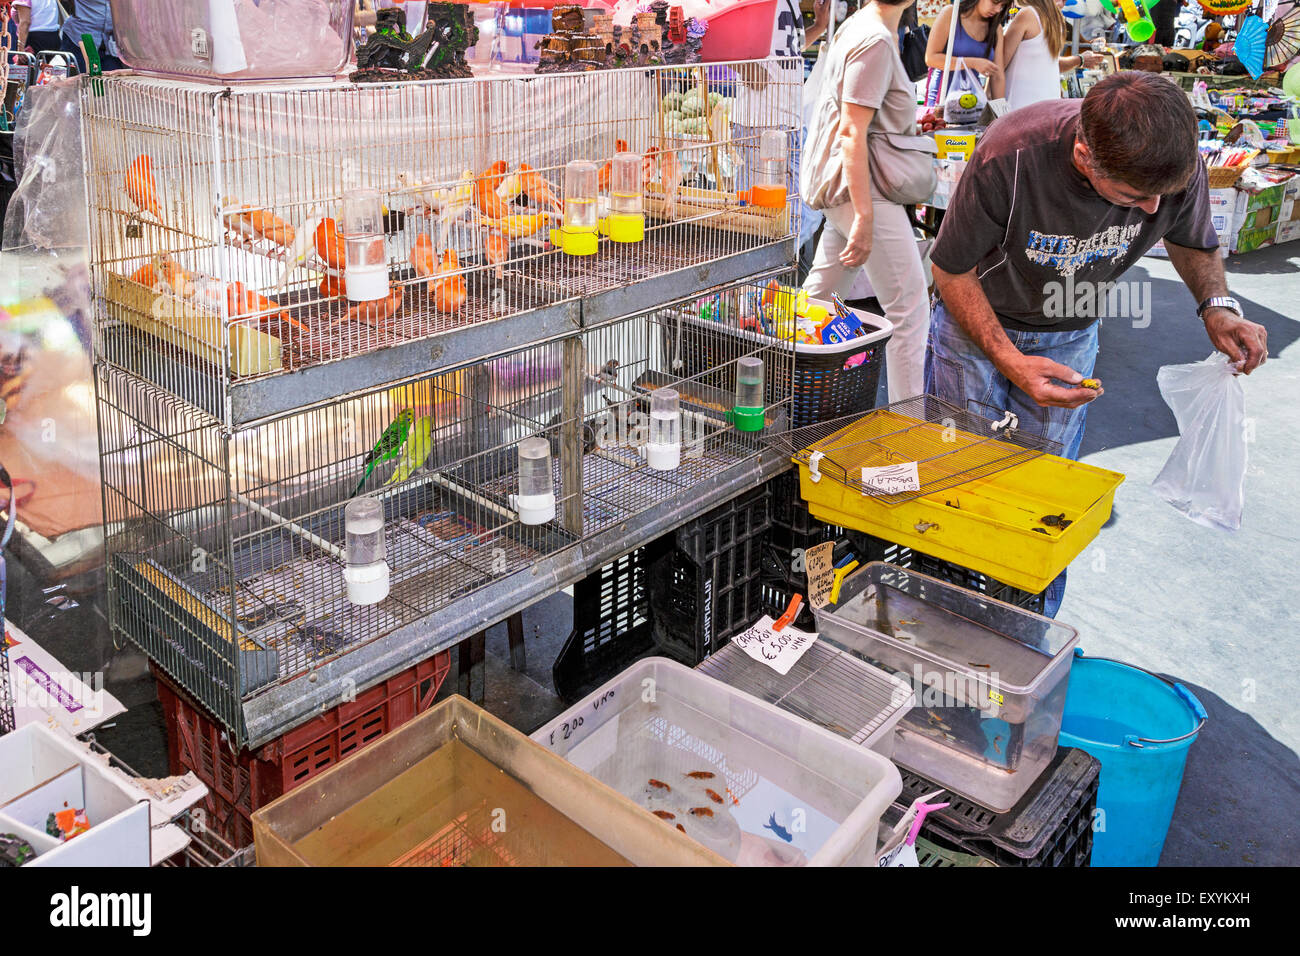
{"x":1032,"y":48}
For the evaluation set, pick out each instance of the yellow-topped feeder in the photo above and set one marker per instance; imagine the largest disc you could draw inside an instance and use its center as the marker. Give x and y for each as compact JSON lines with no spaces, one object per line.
{"x":973,"y":497}
{"x":578,"y":236}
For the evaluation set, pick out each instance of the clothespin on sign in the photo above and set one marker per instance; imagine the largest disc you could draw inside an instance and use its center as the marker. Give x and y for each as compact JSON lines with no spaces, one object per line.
{"x":791,"y":612}
{"x":841,"y":573}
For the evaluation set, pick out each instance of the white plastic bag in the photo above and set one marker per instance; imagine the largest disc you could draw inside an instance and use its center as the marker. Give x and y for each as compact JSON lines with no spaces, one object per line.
{"x":1205,"y":476}
{"x":965,"y":99}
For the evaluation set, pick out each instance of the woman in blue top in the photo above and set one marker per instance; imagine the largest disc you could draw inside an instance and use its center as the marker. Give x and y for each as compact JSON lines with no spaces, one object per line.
{"x":978,"y":42}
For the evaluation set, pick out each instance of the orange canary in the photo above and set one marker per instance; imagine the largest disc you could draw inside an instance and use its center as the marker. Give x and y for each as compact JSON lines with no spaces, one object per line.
{"x":261,"y":224}
{"x":607,"y":171}
{"x":485,"y":192}
{"x":649,"y":165}
{"x":329,"y":243}
{"x":449,"y":293}
{"x":146,"y":275}
{"x":497,"y":247}
{"x":422,"y":256}
{"x":332,"y":286}
{"x":243,"y":304}
{"x":140,"y":185}
{"x":537,"y":189}
{"x":376,"y":312}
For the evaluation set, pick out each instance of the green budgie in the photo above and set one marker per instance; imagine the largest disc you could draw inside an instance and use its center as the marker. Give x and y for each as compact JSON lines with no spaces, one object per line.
{"x":416,"y":450}
{"x":389,"y":444}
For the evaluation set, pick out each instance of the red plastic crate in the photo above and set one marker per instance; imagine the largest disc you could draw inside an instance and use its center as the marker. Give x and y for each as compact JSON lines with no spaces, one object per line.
{"x":240,"y":783}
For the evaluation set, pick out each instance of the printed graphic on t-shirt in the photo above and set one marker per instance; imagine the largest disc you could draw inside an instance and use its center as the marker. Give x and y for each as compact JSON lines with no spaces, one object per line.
{"x":1069,"y":254}
{"x":785,"y":42}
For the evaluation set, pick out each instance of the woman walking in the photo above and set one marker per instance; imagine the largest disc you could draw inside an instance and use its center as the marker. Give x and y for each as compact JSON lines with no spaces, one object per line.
{"x":867,"y":88}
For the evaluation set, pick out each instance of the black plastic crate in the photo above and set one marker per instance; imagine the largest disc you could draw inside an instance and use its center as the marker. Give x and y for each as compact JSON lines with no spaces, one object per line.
{"x":1050,"y":826}
{"x":706,"y":586}
{"x":869,"y":548}
{"x":611,"y":624}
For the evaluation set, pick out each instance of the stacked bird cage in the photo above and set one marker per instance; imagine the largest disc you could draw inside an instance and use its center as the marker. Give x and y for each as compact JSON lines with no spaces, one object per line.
{"x":313,"y":297}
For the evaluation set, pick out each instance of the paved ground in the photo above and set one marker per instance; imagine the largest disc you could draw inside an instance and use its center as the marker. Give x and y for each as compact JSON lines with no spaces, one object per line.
{"x":1214,"y":609}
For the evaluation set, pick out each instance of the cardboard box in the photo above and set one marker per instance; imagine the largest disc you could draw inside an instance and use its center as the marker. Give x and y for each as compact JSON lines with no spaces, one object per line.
{"x":1288,"y":231}
{"x":1223,"y":210}
{"x":1248,"y":240}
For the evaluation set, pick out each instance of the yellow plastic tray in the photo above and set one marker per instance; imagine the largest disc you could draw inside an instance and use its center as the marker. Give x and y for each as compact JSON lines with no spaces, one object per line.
{"x":988,"y":524}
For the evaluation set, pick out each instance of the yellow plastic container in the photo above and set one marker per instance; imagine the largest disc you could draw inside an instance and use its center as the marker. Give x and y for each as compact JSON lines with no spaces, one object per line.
{"x":954,"y":145}
{"x":992,"y":525}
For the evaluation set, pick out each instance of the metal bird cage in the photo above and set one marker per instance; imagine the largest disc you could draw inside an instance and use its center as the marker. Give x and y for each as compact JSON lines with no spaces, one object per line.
{"x":220,"y":250}
{"x":227,"y":547}
{"x":948,"y":446}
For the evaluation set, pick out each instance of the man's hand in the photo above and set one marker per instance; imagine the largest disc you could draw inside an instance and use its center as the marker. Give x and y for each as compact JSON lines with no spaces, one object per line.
{"x":1091,"y":61}
{"x":1034,"y":375}
{"x":821,"y":13}
{"x":1239,"y":339}
{"x":859,"y":247}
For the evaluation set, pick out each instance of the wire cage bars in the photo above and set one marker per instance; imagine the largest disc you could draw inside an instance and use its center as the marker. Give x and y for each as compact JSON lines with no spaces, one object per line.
{"x":947,"y":445}
{"x":228,"y":548}
{"x":225,"y":224}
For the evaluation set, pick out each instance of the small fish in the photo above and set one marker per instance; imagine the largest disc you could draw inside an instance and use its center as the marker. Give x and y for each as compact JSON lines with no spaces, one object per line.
{"x":700,"y":775}
{"x":779,"y":830}
{"x":997,"y":745}
{"x":659,"y":784}
{"x":973,"y":664}
{"x":682,"y":828}
{"x":665,"y":815}
{"x":716,"y":798}
{"x":701,"y":812}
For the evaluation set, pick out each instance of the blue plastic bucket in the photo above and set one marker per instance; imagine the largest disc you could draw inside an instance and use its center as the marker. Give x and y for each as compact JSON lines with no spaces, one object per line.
{"x":1140,"y":727}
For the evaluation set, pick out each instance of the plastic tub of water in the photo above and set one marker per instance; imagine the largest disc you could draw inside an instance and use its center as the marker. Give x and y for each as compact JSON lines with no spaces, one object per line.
{"x":742,"y":31}
{"x":457,"y":787}
{"x":752,"y":783}
{"x":1140,"y":727}
{"x":990,"y":678}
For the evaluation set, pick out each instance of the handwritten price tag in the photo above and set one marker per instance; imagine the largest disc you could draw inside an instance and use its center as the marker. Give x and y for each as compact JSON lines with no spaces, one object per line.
{"x":778,"y":650}
{"x":892,"y":479}
{"x":820,"y":562}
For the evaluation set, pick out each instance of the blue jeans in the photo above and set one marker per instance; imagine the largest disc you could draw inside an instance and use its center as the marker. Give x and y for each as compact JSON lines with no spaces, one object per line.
{"x":958,"y":371}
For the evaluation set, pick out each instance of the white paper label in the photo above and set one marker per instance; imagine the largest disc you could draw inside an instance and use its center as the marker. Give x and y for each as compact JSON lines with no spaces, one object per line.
{"x":199,"y":43}
{"x":778,"y":650}
{"x":892,"y":479}
{"x":902,"y":855}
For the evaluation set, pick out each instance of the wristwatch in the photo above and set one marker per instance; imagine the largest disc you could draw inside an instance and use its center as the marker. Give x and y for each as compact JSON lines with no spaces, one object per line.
{"x":1219,"y":302}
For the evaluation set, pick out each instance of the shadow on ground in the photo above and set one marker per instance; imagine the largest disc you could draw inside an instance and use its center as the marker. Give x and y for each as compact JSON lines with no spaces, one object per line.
{"x":1240,"y":802}
{"x":1130,"y":357}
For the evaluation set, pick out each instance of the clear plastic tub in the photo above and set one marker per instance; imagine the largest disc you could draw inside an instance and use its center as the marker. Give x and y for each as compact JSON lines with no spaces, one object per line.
{"x":456,"y":786}
{"x":232,"y":40}
{"x":990,"y":678}
{"x":768,"y":788}
{"x":827,"y":686}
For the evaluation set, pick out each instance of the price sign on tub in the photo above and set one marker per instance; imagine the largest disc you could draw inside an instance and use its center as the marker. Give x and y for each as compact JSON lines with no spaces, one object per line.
{"x":779,"y":650}
{"x":891,"y":479}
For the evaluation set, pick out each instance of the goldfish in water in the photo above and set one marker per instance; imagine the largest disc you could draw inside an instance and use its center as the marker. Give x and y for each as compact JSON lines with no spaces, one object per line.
{"x":449,"y":292}
{"x":700,"y":775}
{"x":660,"y":785}
{"x":715,"y":797}
{"x":701,"y":812}
{"x":665,"y":815}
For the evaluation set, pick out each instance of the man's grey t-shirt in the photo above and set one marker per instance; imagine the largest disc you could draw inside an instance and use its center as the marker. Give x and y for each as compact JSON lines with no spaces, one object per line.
{"x":1028,"y":222}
